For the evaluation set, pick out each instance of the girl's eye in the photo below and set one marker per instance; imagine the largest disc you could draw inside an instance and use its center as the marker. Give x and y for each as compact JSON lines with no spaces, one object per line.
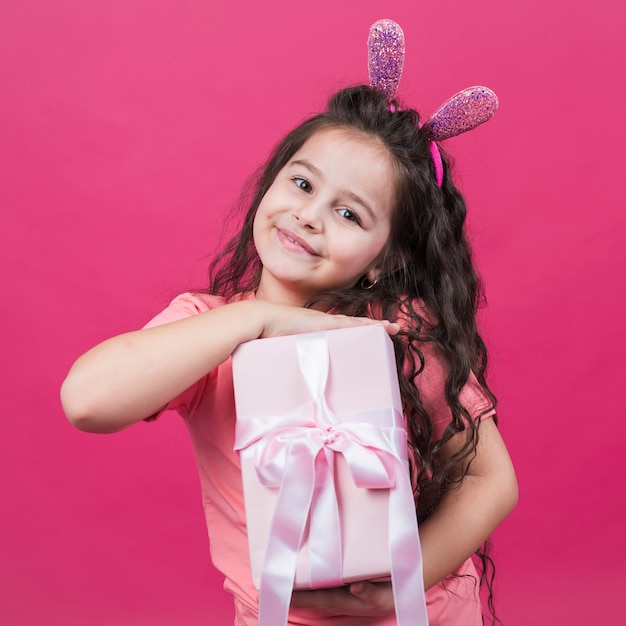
{"x":302,"y":183}
{"x":349,"y":215}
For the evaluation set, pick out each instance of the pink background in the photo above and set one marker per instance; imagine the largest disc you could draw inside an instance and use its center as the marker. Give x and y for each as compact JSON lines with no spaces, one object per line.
{"x":126,"y":130}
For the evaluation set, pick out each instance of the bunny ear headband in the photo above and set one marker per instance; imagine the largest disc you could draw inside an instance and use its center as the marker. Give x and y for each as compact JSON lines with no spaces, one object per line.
{"x":464,"y":111}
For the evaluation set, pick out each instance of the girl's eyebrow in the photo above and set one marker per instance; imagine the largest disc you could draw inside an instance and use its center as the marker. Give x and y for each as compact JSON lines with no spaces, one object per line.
{"x":309,"y":166}
{"x":317,"y":172}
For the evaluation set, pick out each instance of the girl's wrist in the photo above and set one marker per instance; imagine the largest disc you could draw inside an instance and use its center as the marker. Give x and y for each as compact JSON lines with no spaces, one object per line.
{"x":248,"y":319}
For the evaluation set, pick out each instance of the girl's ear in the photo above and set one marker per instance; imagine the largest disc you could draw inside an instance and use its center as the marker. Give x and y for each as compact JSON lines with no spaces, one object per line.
{"x":386,"y":267}
{"x":373,"y":275}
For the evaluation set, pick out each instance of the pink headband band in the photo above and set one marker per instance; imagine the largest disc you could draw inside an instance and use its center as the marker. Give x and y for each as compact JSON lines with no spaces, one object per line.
{"x":464,"y":111}
{"x":435,"y":155}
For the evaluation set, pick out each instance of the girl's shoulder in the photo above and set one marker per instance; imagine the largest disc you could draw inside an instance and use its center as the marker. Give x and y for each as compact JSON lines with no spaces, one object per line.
{"x":414,"y":314}
{"x":192,"y":303}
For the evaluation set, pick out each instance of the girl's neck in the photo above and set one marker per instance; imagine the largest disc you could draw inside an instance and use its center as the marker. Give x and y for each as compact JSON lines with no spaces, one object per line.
{"x":278,"y":294}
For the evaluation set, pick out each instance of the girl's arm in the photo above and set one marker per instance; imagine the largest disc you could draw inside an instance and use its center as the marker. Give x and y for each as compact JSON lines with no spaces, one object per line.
{"x":132,"y":376}
{"x":470,"y":512}
{"x":462,"y":521}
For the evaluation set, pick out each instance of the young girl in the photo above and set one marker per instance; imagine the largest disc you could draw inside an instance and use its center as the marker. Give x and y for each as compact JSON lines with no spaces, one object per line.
{"x":349,"y":225}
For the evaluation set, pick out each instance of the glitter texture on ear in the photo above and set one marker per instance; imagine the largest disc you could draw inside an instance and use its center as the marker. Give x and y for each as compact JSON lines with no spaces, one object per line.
{"x":385,"y":46}
{"x":464,"y":111}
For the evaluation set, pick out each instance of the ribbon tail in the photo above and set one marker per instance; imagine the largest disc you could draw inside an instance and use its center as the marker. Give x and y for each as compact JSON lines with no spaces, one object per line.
{"x":285,"y":539}
{"x":407,"y":577}
{"x":325,"y":552}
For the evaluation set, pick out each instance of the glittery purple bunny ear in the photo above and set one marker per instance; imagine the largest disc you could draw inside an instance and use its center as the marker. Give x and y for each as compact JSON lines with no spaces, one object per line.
{"x":385,"y":46}
{"x":464,"y":111}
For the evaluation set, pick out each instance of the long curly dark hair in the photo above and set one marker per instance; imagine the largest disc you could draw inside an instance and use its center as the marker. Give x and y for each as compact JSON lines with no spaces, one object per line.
{"x":427,"y":279}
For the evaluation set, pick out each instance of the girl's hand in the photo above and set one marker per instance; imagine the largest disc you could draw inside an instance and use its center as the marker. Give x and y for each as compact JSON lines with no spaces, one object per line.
{"x":280,"y":319}
{"x":362,"y":599}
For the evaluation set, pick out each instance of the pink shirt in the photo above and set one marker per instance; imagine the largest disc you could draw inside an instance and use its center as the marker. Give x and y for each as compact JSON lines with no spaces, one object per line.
{"x":208,"y":408}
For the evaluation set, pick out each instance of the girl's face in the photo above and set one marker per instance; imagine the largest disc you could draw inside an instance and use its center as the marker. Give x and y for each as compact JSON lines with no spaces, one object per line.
{"x":325,"y":220}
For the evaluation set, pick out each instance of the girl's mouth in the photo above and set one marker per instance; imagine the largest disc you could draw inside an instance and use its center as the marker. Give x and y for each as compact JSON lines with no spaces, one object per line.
{"x":292,"y":242}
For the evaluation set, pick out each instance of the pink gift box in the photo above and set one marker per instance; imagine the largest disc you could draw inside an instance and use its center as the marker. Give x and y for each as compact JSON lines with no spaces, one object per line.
{"x":353,"y":373}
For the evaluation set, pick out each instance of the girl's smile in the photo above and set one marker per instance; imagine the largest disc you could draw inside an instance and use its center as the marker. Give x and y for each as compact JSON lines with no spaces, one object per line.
{"x":325,"y":221}
{"x":296,"y":244}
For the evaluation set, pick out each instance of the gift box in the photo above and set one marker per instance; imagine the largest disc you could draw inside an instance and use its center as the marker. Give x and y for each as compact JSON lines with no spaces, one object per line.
{"x":323,"y":451}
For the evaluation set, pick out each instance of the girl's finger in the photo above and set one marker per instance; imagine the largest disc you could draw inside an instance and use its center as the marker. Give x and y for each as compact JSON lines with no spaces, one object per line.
{"x":378,"y":596}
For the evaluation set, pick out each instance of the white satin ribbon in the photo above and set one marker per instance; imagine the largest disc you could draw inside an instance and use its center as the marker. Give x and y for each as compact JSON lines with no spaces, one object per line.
{"x":295,"y":454}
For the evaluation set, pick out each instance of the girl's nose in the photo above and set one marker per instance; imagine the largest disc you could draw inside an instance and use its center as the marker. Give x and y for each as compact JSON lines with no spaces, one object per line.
{"x":309,"y":215}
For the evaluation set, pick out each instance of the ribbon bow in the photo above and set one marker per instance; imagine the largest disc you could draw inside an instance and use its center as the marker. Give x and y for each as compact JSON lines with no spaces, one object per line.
{"x":295,"y":453}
